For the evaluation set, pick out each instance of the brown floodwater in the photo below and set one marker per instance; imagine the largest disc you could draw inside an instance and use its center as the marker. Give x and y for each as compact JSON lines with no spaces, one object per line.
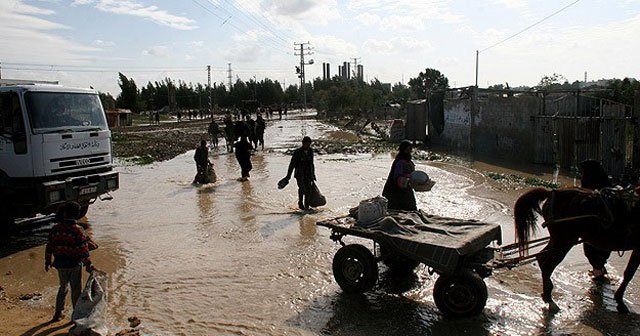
{"x":238,"y":258}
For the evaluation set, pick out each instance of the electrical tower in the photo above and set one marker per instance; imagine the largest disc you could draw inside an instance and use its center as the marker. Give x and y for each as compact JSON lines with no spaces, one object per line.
{"x":304,"y":49}
{"x":230,"y":77}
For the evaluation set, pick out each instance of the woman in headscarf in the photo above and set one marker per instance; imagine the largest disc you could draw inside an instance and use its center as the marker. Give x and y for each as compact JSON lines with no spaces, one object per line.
{"x":398,"y":189}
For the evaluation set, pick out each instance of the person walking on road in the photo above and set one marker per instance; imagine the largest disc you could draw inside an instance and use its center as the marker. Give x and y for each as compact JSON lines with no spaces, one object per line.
{"x":594,"y":177}
{"x":229,"y":132}
{"x":261,"y":125}
{"x":305,"y":173}
{"x":243,"y":155}
{"x":397,"y":190}
{"x":214,"y":131}
{"x":68,"y":246}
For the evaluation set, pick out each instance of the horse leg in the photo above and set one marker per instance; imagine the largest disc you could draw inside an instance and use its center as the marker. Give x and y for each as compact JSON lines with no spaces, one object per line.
{"x":632,"y":266}
{"x":548,"y":260}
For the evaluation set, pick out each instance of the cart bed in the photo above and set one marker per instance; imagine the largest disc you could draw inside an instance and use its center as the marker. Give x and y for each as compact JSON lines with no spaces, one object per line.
{"x":438,"y":242}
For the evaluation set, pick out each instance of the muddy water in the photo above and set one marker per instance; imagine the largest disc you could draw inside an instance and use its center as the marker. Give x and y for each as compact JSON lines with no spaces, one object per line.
{"x":234,"y":258}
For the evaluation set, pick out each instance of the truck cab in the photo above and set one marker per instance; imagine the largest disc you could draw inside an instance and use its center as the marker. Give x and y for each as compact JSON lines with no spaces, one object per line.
{"x":55,"y":146}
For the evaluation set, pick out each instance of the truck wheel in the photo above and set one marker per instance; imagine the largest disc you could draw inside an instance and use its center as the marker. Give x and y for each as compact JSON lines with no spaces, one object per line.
{"x":355,"y":269}
{"x":460,"y":295}
{"x":7,"y":223}
{"x":83,"y":211}
{"x":395,"y":262}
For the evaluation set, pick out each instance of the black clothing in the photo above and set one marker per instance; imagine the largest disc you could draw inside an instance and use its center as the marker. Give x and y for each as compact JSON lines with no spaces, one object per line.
{"x":302,"y":163}
{"x":201,"y":156}
{"x":594,"y":177}
{"x":400,"y":197}
{"x":202,"y":164}
{"x":243,"y":155}
{"x":305,"y":174}
{"x":261,"y":125}
{"x":251,"y":126}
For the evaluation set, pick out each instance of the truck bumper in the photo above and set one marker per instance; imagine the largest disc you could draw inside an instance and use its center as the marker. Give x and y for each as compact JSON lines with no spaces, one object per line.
{"x":82,"y":189}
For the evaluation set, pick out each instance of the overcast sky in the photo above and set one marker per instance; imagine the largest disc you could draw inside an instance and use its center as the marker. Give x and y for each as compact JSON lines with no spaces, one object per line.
{"x":86,"y":42}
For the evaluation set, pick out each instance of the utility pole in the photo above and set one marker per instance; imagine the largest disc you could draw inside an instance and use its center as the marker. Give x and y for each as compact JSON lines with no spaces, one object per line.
{"x":255,"y":84}
{"x":209,"y":89}
{"x":305,"y":49}
{"x":230,"y":77}
{"x":477,"y":56}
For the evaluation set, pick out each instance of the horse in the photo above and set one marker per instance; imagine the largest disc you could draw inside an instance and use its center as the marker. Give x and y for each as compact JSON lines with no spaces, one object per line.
{"x":574,"y":215}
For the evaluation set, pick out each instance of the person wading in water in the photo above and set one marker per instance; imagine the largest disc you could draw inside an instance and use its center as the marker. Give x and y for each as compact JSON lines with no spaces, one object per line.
{"x":305,"y":173}
{"x":398,"y":189}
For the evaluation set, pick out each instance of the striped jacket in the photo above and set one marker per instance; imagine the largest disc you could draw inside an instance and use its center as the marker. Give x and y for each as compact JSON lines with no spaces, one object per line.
{"x":68,"y":244}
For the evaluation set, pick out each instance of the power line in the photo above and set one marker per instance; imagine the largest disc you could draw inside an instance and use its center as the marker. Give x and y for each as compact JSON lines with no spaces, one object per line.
{"x":231,"y":24}
{"x":94,"y":70}
{"x":247,"y":13}
{"x":89,"y":68}
{"x":52,"y":66}
{"x":531,"y":26}
{"x":272,"y":39}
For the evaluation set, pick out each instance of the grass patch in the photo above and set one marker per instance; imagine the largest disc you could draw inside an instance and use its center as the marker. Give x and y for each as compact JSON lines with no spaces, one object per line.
{"x":516,"y":179}
{"x":142,"y":160}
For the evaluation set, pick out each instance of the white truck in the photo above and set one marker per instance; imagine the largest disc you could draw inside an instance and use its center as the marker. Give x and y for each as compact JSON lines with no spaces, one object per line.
{"x":55,"y":146}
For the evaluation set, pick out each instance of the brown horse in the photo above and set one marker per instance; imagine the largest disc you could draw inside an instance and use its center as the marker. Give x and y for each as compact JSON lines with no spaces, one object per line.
{"x":572,"y":216}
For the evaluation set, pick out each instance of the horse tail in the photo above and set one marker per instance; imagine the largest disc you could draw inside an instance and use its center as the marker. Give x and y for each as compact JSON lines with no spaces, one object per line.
{"x":524,"y":213}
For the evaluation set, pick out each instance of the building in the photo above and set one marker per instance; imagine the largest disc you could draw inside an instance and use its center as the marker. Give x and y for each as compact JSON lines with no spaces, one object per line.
{"x":360,"y":72}
{"x":119,"y":117}
{"x":326,"y":72}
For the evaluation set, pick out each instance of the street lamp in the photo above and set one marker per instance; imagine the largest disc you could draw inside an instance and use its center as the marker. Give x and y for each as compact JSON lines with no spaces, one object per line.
{"x":304,"y":83}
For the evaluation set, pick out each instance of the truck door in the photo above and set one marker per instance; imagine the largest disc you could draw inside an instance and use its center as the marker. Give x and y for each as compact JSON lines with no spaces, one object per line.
{"x":14,"y":158}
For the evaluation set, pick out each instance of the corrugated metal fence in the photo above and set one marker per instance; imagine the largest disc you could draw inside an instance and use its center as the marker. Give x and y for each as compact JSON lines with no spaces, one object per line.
{"x":572,"y":127}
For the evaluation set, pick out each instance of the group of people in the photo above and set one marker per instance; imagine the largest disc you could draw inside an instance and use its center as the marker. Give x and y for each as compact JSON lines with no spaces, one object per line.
{"x":251,"y":130}
{"x":241,"y":136}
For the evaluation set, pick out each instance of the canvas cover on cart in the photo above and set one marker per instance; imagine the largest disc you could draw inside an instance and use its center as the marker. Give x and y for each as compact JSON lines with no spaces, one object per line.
{"x":438,"y":242}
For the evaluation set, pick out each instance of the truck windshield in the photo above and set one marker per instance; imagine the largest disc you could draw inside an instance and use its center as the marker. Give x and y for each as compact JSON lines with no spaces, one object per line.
{"x":57,"y":111}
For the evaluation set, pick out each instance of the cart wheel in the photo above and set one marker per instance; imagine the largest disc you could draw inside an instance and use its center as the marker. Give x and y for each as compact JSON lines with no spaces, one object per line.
{"x":396,"y":262}
{"x":460,"y":295}
{"x":355,"y":269}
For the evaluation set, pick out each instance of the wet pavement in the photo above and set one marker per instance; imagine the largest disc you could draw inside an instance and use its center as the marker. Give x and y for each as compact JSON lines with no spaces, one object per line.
{"x":238,"y":258}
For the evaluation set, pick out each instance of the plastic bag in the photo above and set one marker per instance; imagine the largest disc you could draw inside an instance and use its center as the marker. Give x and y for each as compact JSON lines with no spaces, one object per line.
{"x":316,"y":199}
{"x":372,"y":209}
{"x":89,"y":314}
{"x":283,"y":183}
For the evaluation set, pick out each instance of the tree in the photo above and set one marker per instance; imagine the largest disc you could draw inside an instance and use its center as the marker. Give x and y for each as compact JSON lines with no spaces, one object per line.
{"x":400,"y":93}
{"x":551,"y":82}
{"x":430,"y":79}
{"x":128,"y":98}
{"x":291,"y":94}
{"x":107,"y":100}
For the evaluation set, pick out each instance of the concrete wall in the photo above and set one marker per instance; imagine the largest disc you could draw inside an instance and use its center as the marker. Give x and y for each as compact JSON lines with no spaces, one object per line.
{"x":502,"y":127}
{"x":497,"y":127}
{"x":457,"y":125}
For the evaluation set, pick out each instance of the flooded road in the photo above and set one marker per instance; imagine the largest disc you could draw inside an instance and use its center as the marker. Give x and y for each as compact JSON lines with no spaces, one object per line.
{"x":234,"y":258}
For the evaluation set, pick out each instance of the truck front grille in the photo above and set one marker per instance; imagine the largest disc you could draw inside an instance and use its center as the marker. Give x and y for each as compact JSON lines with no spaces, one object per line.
{"x":79,"y":162}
